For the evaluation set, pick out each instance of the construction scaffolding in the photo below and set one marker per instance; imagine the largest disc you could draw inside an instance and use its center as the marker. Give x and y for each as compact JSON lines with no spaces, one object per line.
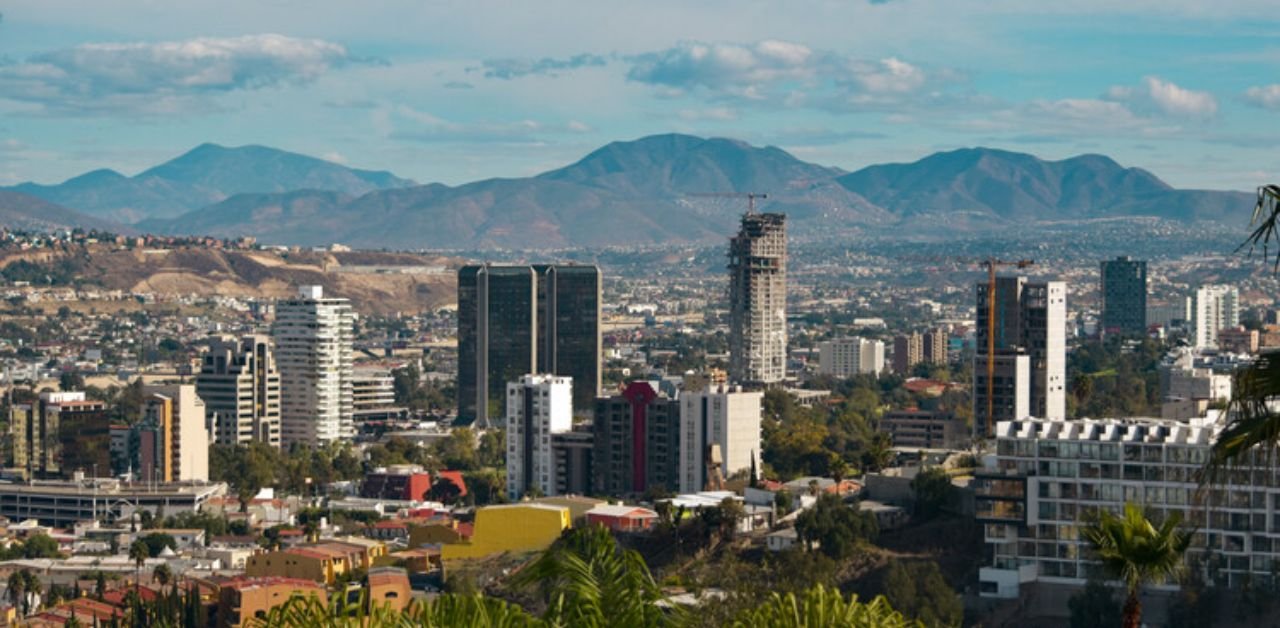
{"x":758,"y":300}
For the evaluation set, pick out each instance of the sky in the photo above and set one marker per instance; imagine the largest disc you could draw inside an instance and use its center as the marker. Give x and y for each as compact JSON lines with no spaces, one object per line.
{"x":453,"y":91}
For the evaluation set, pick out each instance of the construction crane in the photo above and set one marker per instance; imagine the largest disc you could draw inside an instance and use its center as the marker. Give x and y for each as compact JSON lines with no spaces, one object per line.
{"x":991,"y":264}
{"x":750,"y":196}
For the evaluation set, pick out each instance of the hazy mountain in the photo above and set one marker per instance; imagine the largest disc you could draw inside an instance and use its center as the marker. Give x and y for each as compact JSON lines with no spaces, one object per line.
{"x":205,"y":175}
{"x":26,"y":212}
{"x":647,"y":191}
{"x":1006,"y":186}
{"x":639,"y":192}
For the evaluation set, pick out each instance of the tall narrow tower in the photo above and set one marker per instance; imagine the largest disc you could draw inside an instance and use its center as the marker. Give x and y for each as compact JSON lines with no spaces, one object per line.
{"x":1030,"y":352}
{"x":758,"y":300}
{"x":314,"y":336}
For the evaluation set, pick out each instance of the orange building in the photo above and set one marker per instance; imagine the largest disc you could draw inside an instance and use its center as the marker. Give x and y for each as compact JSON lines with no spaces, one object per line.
{"x":243,"y":599}
{"x":389,"y":586}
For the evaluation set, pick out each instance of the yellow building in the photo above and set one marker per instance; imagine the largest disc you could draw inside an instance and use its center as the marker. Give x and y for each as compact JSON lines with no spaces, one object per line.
{"x":320,"y":562}
{"x":435,"y":534}
{"x":520,"y":528}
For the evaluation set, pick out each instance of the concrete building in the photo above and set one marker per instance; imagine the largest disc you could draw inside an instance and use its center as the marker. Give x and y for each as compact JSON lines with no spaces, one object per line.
{"x":514,"y":320}
{"x":846,"y":357}
{"x":538,"y":406}
{"x":1030,"y":321}
{"x":1213,"y":308}
{"x":65,"y":503}
{"x":245,"y":600}
{"x":935,"y":345}
{"x":240,"y":386}
{"x":172,"y":441}
{"x":1177,"y":313}
{"x":637,"y":441}
{"x":401,"y":482}
{"x":314,"y":336}
{"x":1238,"y":340}
{"x":372,"y":389}
{"x":59,"y":434}
{"x":574,"y":454}
{"x":908,"y":351}
{"x":1187,"y":375}
{"x":924,"y":429}
{"x":758,"y":300}
{"x":1124,"y":297}
{"x":1048,"y":476}
{"x":721,"y":416}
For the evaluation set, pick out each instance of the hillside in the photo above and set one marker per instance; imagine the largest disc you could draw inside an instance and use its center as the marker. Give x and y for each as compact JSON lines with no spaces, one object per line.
{"x":25,"y":212}
{"x":375,"y":282}
{"x":203,"y":176}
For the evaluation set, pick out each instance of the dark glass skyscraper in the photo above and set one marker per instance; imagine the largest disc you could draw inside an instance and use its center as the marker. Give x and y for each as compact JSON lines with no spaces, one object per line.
{"x":516,"y":320}
{"x":1124,"y":297}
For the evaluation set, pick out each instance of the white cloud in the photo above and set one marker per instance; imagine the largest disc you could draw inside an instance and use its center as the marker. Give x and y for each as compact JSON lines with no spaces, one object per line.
{"x":783,"y":74}
{"x":406,"y":123}
{"x":1265,"y":96}
{"x":163,"y":77}
{"x":1158,"y":95}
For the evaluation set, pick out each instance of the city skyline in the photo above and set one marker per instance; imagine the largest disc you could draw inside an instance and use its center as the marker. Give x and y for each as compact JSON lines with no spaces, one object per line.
{"x":451,"y":94}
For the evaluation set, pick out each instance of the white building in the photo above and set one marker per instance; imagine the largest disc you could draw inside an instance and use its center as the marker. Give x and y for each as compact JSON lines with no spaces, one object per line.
{"x":373,"y":388}
{"x":314,"y":337}
{"x":718,"y":415}
{"x":1213,"y":308}
{"x":178,"y":450}
{"x":537,"y":407}
{"x":846,"y":357}
{"x":1048,"y":476}
{"x":758,"y":300}
{"x":240,"y":386}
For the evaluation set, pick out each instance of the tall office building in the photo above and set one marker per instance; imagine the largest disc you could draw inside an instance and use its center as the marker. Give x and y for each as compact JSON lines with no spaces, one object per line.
{"x":1213,"y":308}
{"x":515,"y":320}
{"x":723,"y":416}
{"x":1030,"y":323}
{"x":908,"y":351}
{"x":59,"y":434}
{"x":758,"y":300}
{"x":171,"y":443}
{"x":846,"y":357}
{"x":934,"y":347}
{"x":637,"y":441}
{"x":1124,"y":297}
{"x":538,"y":406}
{"x":314,"y":336}
{"x":240,"y":386}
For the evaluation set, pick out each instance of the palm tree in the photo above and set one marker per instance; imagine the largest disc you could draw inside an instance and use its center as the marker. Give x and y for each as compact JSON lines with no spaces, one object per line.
{"x":139,"y":553}
{"x":1253,"y":424}
{"x":820,"y":607}
{"x":162,"y":575}
{"x":17,"y":588}
{"x":1136,"y":551}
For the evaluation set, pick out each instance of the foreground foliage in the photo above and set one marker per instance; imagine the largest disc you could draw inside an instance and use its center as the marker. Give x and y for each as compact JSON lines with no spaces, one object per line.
{"x":1137,"y":552}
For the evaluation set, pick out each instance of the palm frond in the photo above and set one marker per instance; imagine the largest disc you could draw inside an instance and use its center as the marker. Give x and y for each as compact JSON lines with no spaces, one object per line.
{"x":1266,"y":221}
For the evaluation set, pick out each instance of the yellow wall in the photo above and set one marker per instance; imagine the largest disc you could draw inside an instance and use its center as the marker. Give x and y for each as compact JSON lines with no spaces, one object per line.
{"x":511,"y":528}
{"x":288,"y":565}
{"x":432,"y":534}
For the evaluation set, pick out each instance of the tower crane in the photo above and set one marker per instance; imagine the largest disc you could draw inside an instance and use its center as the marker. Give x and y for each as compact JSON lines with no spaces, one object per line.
{"x":991,"y":264}
{"x":750,"y":196}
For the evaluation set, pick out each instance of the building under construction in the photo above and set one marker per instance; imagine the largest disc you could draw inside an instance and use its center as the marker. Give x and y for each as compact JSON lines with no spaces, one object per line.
{"x":758,"y":300}
{"x":1029,"y":347}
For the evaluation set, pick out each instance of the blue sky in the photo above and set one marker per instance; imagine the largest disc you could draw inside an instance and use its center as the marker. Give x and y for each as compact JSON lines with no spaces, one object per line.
{"x":452,"y":91}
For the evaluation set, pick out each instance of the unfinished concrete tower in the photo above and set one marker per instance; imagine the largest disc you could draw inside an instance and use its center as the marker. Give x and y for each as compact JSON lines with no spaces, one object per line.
{"x":758,"y":300}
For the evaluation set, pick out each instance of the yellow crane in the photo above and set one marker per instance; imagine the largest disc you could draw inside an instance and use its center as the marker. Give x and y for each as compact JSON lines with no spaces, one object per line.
{"x":750,"y":196}
{"x":991,"y":264}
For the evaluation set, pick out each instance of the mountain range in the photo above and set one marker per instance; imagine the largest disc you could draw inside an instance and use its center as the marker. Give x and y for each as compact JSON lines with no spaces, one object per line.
{"x":662,"y":188}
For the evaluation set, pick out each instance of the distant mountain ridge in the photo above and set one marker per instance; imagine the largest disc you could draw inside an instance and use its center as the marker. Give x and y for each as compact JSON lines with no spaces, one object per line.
{"x":28,"y":213}
{"x":640,"y":192}
{"x":205,"y":175}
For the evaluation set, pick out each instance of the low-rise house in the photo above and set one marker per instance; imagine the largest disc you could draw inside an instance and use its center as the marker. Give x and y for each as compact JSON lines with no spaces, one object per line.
{"x":524,"y":527}
{"x":623,"y":518}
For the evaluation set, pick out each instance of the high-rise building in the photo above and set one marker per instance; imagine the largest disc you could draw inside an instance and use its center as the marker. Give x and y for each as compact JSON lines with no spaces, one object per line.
{"x":240,"y":387}
{"x":538,"y":406}
{"x":934,"y":347}
{"x":514,"y":320}
{"x":171,"y":443}
{"x":1213,"y":308}
{"x":1124,"y":296}
{"x":1030,"y":322}
{"x":758,"y":300}
{"x":908,"y":351}
{"x":59,"y":434}
{"x":846,"y":357}
{"x":314,"y":336}
{"x":727,"y":418}
{"x":372,"y":389}
{"x":637,"y":441}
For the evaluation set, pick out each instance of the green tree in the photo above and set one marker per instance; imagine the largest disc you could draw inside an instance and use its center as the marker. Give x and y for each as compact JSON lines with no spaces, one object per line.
{"x":1095,"y":606}
{"x":162,"y":575}
{"x":835,"y":527}
{"x":156,"y":542}
{"x":918,"y":590}
{"x":1137,"y":552}
{"x":934,"y":492}
{"x":139,"y":553}
{"x":40,"y":546}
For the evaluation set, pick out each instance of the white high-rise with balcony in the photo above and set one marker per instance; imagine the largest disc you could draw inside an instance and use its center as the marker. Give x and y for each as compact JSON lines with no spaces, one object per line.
{"x":537,"y":407}
{"x":719,"y":415}
{"x":1213,"y":308}
{"x":314,"y":337}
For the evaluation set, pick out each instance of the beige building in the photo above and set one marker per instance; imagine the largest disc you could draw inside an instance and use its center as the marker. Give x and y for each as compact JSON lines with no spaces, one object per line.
{"x":240,"y":386}
{"x":176,"y":447}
